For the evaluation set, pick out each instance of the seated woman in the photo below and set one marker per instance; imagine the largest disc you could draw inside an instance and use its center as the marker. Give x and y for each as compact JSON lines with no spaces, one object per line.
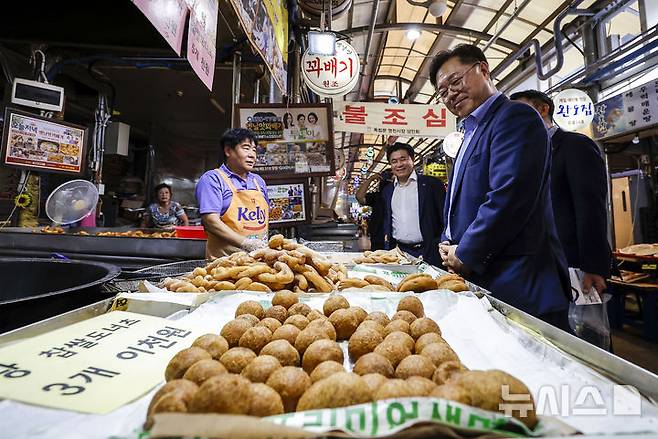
{"x":164,"y":213}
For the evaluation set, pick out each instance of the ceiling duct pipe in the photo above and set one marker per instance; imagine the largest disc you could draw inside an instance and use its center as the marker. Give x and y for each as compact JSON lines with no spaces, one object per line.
{"x":366,"y":54}
{"x":559,"y":48}
{"x":510,"y":20}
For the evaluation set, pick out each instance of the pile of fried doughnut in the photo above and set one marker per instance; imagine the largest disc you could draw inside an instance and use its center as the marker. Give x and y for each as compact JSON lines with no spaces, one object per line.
{"x":288,"y":358}
{"x":138,"y":234}
{"x":283,"y":265}
{"x":394,"y":256}
{"x":417,"y":283}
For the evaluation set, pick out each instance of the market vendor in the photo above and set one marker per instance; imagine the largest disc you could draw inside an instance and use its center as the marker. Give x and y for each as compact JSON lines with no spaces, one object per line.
{"x":233,"y":201}
{"x":164,"y":212}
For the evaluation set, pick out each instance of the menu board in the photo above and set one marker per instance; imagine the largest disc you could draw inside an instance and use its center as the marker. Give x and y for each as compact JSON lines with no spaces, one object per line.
{"x":288,"y":202}
{"x":265,"y":23}
{"x":626,"y":112}
{"x":293,"y":140}
{"x":41,"y":144}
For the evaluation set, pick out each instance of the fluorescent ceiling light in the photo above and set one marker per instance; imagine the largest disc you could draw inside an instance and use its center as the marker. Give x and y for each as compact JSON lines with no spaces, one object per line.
{"x":413,"y":34}
{"x":322,"y":43}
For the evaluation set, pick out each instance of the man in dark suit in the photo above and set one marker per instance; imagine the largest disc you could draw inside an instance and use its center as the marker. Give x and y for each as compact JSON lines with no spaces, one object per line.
{"x":376,"y":202}
{"x":579,"y":188}
{"x":413,"y":207}
{"x":500,"y":232}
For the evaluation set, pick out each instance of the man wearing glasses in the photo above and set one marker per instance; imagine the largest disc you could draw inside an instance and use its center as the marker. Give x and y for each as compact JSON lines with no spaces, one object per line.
{"x":233,"y":201}
{"x":500,"y":232}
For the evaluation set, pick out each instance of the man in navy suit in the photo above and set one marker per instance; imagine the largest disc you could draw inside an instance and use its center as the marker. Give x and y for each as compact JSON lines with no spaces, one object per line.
{"x":413,"y":207}
{"x":579,"y":189}
{"x":500,"y":233}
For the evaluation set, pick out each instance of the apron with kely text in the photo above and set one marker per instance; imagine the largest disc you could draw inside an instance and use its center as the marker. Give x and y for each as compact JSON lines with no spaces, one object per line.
{"x":248,"y":215}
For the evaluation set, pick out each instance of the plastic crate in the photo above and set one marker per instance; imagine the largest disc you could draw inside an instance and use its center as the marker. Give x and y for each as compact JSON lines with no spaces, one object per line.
{"x":190,"y":232}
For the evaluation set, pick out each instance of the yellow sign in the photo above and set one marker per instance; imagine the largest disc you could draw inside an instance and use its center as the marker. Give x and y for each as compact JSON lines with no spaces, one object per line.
{"x":436,"y":170}
{"x":95,"y":366}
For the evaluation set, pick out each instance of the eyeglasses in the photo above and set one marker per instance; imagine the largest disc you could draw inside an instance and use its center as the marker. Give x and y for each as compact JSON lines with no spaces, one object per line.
{"x":452,"y":83}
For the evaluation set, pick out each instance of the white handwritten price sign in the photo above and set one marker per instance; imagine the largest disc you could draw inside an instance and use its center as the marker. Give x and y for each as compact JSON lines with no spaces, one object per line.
{"x":95,"y":366}
{"x":332,"y":76}
{"x":201,"y":39}
{"x":168,"y":17}
{"x":573,"y":109}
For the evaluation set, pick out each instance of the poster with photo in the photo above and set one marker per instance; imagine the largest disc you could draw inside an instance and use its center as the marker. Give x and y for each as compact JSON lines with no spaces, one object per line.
{"x":39,"y":144}
{"x":288,"y":203}
{"x":266,"y":25}
{"x":293,"y":140}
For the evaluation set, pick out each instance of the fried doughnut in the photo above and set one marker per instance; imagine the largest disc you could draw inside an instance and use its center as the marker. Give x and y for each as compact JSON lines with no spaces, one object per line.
{"x":326,"y":369}
{"x":214,"y":344}
{"x":455,"y":286}
{"x":276,"y":242}
{"x":225,"y":393}
{"x":352,"y":283}
{"x":320,"y":351}
{"x":255,"y":338}
{"x":345,"y":322}
{"x":250,"y":307}
{"x":182,"y":361}
{"x":395,"y":388}
{"x":427,"y":339}
{"x":413,"y":305}
{"x":236,"y":359}
{"x":314,"y":314}
{"x":302,"y":283}
{"x":186,"y":389}
{"x":285,"y":298}
{"x":296,"y":264}
{"x":223,"y":285}
{"x":374,"y":363}
{"x":264,"y":401}
{"x":283,"y":277}
{"x":393,"y":350}
{"x":448,"y":370}
{"x":362,"y":342}
{"x":286,"y":332}
{"x":374,"y":381}
{"x":440,"y":353}
{"x":318,"y":281}
{"x":452,"y":392}
{"x":308,"y":336}
{"x":172,"y":402}
{"x":282,"y":351}
{"x":376,"y":280}
{"x":297,"y":320}
{"x":260,"y":369}
{"x":243,"y":283}
{"x":325,"y":325}
{"x":233,"y":330}
{"x":334,"y":303}
{"x":254,"y":270}
{"x":415,"y":365}
{"x":299,"y":309}
{"x":379,"y":317}
{"x":407,"y":316}
{"x":204,"y":369}
{"x":423,"y":326}
{"x":338,"y":390}
{"x":199,"y":271}
{"x":270,"y":323}
{"x":372,"y":325}
{"x":257,"y":286}
{"x":290,"y":383}
{"x":277,"y":312}
{"x":289,"y":244}
{"x":222,"y":273}
{"x":401,"y":337}
{"x":396,"y":325}
{"x":250,"y":318}
{"x":359,"y":312}
{"x":418,"y":284}
{"x":446,"y":278}
{"x":420,"y":386}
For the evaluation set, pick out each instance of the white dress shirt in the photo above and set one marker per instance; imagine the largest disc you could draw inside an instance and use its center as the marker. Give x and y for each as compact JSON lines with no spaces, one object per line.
{"x":405,"y":213}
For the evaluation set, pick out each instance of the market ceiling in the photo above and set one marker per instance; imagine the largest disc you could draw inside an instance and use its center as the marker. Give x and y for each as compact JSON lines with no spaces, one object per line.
{"x":118,"y":43}
{"x":398,"y":66}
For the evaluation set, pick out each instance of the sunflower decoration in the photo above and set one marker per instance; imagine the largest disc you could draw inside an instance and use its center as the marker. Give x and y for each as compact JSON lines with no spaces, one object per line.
{"x":22,"y":200}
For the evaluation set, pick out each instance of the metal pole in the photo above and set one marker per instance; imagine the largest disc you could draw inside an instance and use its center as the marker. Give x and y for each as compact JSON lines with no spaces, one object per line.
{"x":257,"y":91}
{"x":517,"y":11}
{"x":235,"y":99}
{"x":296,"y":73}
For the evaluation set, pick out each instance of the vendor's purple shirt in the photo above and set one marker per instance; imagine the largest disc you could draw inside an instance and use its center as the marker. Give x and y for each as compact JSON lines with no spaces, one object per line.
{"x":214,"y":195}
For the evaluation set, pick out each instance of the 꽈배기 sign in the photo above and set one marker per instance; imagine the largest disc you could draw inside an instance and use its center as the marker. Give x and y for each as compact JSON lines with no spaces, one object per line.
{"x":332,"y":76}
{"x":573,"y":109}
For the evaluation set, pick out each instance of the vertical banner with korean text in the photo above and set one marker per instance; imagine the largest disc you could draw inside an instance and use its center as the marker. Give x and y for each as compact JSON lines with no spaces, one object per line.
{"x":168,"y":17}
{"x":406,"y":120}
{"x":202,"y":39}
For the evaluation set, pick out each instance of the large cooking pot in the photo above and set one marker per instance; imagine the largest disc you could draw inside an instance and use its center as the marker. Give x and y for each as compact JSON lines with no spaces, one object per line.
{"x":34,"y":289}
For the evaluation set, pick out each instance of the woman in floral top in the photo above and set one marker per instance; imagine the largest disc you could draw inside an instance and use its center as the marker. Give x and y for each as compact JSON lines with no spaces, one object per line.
{"x":164,"y":213}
